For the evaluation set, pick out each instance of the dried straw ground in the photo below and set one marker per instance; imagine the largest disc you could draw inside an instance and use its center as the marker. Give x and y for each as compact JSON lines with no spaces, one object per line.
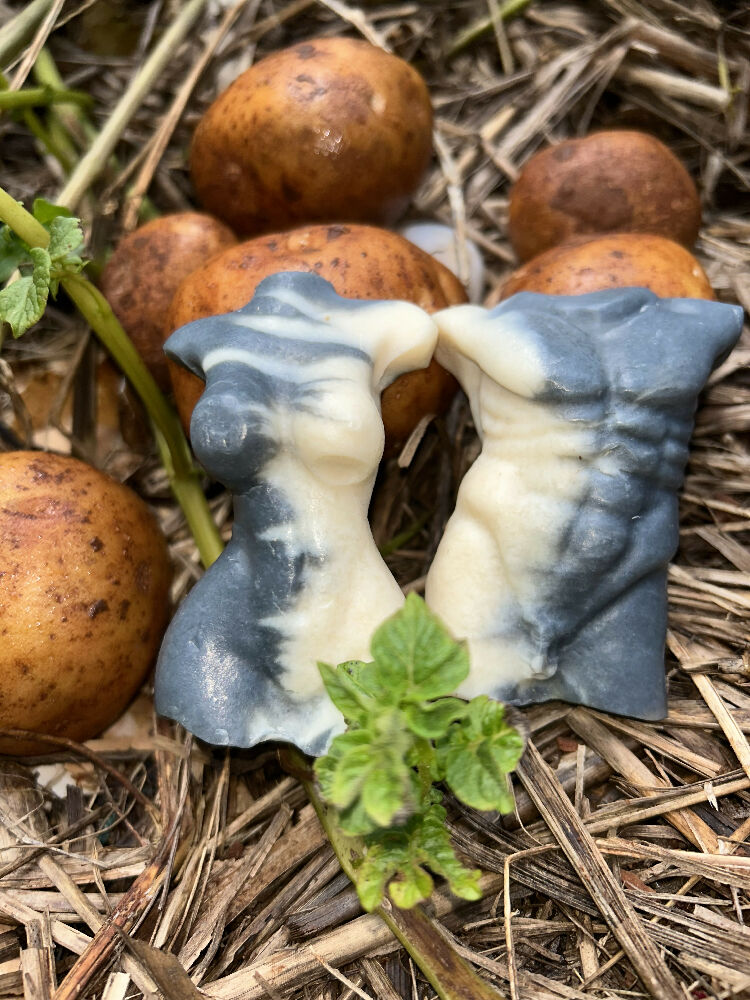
{"x":629,"y":838}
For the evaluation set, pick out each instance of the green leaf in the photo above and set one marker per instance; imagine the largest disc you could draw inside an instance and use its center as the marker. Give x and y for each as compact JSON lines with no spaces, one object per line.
{"x":65,"y":236}
{"x":386,"y":790}
{"x":22,"y":302}
{"x":414,"y":886}
{"x":44,"y":211}
{"x":355,"y":822}
{"x":13,"y":252}
{"x":350,"y":699}
{"x":431,"y":719}
{"x":477,"y":753}
{"x":437,"y":850}
{"x":415,"y":655}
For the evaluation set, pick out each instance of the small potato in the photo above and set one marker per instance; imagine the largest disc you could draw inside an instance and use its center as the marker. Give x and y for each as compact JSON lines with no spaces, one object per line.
{"x":144,"y":271}
{"x":361,"y":262}
{"x":332,"y":129}
{"x":625,"y":182}
{"x":619,"y":260}
{"x":83,"y":597}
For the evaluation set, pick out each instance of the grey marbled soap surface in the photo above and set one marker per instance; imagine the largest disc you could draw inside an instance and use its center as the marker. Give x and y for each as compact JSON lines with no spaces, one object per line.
{"x":553,"y":565}
{"x":290,"y":422}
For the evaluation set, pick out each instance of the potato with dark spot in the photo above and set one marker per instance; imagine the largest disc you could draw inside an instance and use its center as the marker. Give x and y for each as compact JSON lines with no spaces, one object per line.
{"x":625,"y":182}
{"x":619,"y":260}
{"x":361,"y":262}
{"x":84,"y":597}
{"x":332,"y":129}
{"x":145,"y":269}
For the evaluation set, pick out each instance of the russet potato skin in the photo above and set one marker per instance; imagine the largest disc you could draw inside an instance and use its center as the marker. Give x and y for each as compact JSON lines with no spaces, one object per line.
{"x":145,"y":269}
{"x":361,"y":262}
{"x":332,"y":129}
{"x":83,"y":597}
{"x":618,"y":260}
{"x":606,"y":182}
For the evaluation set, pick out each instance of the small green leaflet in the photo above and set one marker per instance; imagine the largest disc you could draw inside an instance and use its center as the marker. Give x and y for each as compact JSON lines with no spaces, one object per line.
{"x":13,"y":252}
{"x":415,"y":655}
{"x":45,"y":211}
{"x":477,"y":753}
{"x":399,"y":858}
{"x":22,"y":303}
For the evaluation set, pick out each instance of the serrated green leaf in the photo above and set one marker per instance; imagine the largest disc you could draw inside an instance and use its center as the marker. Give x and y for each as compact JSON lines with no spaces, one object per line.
{"x":65,"y":237}
{"x":414,"y":886}
{"x":431,"y":719}
{"x":477,"y":754}
{"x":353,"y":703}
{"x":416,"y":656}
{"x":22,"y":302}
{"x":437,"y":851}
{"x":44,"y":211}
{"x":386,"y":790}
{"x":364,"y":675}
{"x":355,"y":822}
{"x":13,"y":252}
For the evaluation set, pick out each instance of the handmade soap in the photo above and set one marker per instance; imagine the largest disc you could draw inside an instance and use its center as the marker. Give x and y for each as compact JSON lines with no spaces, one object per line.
{"x":553,"y":565}
{"x":290,"y":422}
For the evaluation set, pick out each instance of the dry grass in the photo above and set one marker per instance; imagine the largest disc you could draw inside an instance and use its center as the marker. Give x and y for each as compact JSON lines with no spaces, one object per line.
{"x":155,"y":865}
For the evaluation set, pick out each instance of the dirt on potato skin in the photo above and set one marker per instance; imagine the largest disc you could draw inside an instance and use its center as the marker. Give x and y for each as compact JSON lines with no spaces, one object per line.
{"x":84,"y":597}
{"x":333,"y":128}
{"x":610,"y":181}
{"x":616,"y":260}
{"x":145,"y":270}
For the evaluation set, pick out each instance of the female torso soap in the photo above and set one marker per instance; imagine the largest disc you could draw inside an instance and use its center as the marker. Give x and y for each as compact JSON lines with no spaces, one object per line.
{"x":553,"y":565}
{"x":290,"y":422}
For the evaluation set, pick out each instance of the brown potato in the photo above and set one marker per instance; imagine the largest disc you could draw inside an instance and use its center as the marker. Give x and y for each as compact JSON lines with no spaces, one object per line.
{"x":625,"y":182}
{"x":360,"y":262}
{"x":332,"y":129}
{"x":145,"y":269}
{"x":83,"y":597}
{"x":619,"y":260}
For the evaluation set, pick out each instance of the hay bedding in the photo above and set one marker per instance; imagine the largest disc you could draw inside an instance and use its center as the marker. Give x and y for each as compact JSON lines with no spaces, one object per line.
{"x":150,"y":841}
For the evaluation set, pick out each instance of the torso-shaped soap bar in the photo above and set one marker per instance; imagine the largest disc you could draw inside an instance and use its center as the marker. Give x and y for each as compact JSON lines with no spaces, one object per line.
{"x":290,"y":422}
{"x":553,"y":565}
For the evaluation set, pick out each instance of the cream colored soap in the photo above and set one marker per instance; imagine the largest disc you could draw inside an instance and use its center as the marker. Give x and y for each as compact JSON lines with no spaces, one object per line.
{"x":553,"y":565}
{"x":290,"y":422}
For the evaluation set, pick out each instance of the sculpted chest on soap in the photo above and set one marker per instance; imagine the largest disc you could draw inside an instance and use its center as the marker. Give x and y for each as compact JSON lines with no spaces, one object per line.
{"x":290,"y":422}
{"x":553,"y":565}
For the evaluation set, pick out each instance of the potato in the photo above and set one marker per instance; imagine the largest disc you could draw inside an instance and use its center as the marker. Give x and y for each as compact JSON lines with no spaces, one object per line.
{"x":330,"y":130}
{"x":619,"y":260}
{"x":607,"y":182}
{"x":83,"y":597}
{"x":144,"y":271}
{"x":361,"y":262}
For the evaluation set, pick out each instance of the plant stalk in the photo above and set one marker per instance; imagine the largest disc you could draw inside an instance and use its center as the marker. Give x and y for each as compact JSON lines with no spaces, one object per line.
{"x":103,"y":145}
{"x":15,"y":33}
{"x":170,"y":438}
{"x":451,"y":976}
{"x":35,"y":97}
{"x":484,"y":25}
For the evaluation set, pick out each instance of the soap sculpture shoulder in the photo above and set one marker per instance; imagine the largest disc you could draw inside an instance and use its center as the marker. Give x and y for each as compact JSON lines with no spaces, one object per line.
{"x":553,"y":565}
{"x":290,"y":422}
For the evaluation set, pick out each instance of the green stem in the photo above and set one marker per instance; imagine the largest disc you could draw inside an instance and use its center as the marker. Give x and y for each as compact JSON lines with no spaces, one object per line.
{"x":450,"y":976}
{"x":15,"y":32}
{"x":484,"y":25}
{"x":34,"y":97}
{"x":95,"y":159}
{"x":173,"y":447}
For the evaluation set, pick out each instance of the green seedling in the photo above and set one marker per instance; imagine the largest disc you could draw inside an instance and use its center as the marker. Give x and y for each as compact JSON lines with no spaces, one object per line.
{"x":406,"y":733}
